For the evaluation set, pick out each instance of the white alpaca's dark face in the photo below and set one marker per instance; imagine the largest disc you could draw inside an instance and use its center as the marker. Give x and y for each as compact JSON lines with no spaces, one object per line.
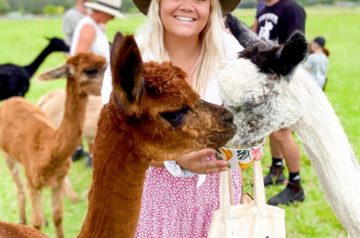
{"x":257,"y":100}
{"x":255,"y":87}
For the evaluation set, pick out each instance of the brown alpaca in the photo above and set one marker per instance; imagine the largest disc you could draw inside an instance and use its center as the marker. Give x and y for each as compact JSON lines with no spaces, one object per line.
{"x":52,"y":104}
{"x":8,"y":230}
{"x":27,"y":136}
{"x":153,"y":114}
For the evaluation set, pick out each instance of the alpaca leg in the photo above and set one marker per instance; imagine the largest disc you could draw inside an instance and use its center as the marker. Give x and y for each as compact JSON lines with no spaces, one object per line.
{"x":69,"y":191}
{"x":57,"y":205}
{"x":14,"y":170}
{"x":37,"y":211}
{"x":89,"y":156}
{"x":90,"y":145}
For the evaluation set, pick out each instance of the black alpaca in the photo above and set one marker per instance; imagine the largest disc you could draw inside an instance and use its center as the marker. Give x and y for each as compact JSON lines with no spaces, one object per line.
{"x":15,"y":80}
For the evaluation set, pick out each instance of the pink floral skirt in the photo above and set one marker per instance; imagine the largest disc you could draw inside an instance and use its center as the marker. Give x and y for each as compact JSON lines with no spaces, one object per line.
{"x":175,"y":208}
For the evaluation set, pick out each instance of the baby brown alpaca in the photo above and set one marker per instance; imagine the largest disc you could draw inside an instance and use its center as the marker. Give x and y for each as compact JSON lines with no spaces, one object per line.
{"x":50,"y":104}
{"x":153,"y":114}
{"x":27,"y":137}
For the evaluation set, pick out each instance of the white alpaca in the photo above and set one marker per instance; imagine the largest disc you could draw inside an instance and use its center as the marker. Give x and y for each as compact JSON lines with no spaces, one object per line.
{"x":266,"y":91}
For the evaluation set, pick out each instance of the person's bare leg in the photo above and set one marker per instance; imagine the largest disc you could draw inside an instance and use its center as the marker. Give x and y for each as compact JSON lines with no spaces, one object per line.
{"x":274,"y":146}
{"x":285,"y":147}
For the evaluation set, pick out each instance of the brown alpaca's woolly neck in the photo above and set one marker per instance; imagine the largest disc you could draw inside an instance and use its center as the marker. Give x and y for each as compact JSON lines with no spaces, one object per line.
{"x":68,"y":135}
{"x":118,"y":179}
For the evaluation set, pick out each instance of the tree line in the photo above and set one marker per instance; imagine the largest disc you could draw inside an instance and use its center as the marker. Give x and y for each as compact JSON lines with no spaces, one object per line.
{"x":59,"y":6}
{"x":47,"y":6}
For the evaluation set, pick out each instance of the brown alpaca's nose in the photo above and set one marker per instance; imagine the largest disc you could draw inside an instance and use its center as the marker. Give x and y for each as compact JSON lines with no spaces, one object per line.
{"x":227,"y":117}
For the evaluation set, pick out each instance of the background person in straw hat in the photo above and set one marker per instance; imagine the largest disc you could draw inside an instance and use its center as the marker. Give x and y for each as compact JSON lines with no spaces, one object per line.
{"x":90,"y":34}
{"x":71,"y":18}
{"x":191,"y":34}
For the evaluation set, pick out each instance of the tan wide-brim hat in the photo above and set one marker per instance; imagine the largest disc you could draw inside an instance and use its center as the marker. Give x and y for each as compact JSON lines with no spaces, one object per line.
{"x":226,"y":5}
{"x":111,"y":7}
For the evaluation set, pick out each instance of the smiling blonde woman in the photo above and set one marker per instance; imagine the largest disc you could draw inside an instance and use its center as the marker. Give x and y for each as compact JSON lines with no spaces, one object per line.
{"x":180,"y":197}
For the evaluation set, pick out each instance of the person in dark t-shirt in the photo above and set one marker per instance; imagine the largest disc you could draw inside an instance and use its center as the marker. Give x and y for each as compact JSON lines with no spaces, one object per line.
{"x":278,"y":20}
{"x":260,"y":5}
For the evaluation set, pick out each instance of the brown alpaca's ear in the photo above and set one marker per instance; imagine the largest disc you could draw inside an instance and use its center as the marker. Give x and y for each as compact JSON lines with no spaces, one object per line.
{"x":126,"y":68}
{"x":61,"y":72}
{"x":116,"y":44}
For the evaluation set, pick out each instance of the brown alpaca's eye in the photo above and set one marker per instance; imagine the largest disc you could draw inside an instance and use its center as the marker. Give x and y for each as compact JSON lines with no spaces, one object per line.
{"x":91,"y":72}
{"x":175,"y":118}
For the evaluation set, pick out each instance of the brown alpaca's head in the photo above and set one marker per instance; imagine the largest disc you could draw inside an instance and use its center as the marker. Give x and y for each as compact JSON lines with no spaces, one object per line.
{"x":87,"y":69}
{"x":156,"y":107}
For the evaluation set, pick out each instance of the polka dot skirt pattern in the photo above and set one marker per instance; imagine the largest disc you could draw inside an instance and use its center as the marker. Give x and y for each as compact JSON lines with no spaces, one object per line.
{"x":174,"y":207}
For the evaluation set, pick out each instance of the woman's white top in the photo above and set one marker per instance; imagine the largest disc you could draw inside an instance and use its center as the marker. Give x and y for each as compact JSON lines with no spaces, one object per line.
{"x":100,"y":46}
{"x":231,"y":49}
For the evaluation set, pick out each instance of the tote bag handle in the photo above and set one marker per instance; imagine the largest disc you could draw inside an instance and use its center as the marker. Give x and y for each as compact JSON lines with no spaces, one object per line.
{"x":259,"y":190}
{"x":224,"y":193}
{"x":225,"y":189}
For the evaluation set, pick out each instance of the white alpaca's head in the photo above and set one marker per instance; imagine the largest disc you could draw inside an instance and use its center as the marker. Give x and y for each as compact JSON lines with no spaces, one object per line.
{"x":254,"y":87}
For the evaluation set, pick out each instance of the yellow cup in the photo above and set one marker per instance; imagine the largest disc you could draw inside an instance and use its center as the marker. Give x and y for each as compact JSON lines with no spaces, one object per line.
{"x":243,"y":156}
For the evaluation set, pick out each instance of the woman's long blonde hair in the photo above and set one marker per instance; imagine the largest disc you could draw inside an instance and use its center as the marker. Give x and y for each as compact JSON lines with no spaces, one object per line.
{"x":211,"y":50}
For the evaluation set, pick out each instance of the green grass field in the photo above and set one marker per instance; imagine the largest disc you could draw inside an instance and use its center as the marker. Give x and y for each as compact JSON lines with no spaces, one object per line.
{"x":21,"y":40}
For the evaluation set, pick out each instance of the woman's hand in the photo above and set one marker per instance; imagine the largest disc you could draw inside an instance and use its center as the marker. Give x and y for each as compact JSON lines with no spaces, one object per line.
{"x":259,"y":156}
{"x":202,"y":162}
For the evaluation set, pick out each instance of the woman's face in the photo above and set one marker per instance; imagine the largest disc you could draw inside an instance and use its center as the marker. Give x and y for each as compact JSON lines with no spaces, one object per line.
{"x":104,"y":17}
{"x":184,"y":18}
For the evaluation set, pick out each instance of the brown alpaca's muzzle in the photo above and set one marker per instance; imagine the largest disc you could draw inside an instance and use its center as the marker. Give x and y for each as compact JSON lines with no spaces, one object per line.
{"x":222,"y":128}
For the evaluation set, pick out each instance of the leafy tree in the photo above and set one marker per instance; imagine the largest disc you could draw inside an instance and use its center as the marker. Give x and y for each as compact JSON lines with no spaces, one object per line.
{"x":4,"y":6}
{"x":127,"y":5}
{"x":53,"y":10}
{"x":36,"y":6}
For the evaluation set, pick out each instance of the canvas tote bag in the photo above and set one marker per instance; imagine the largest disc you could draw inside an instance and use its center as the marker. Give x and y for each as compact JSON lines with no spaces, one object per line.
{"x":254,"y":220}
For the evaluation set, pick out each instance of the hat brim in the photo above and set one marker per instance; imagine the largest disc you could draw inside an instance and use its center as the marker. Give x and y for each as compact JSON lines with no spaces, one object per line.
{"x":226,"y":5}
{"x":108,"y":10}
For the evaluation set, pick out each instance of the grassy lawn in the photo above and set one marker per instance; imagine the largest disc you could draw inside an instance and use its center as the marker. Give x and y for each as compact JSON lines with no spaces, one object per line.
{"x":21,"y":40}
